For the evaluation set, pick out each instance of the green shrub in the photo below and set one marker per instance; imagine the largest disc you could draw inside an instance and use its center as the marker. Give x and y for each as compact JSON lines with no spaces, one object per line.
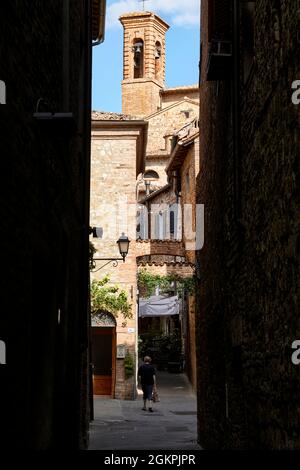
{"x":128,"y":365}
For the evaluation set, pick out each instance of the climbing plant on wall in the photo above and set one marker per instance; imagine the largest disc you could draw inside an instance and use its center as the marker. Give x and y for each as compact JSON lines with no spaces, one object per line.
{"x":109,"y":298}
{"x":149,"y":282}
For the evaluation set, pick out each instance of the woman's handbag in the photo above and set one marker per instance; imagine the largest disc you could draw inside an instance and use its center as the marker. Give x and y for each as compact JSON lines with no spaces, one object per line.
{"x":155,"y":397}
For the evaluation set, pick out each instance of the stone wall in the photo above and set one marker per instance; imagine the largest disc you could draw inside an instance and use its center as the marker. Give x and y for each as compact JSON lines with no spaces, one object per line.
{"x":44,"y":228}
{"x":170,"y":97}
{"x":168,"y":121}
{"x":113,"y":207}
{"x":158,"y":163}
{"x":247,"y":304}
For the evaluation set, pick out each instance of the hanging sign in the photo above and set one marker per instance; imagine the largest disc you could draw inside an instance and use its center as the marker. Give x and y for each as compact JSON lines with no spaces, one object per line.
{"x":2,"y":352}
{"x":120,"y":351}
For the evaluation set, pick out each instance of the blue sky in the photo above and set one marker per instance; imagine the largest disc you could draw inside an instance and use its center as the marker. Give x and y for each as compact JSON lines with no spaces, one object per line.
{"x":182,"y":48}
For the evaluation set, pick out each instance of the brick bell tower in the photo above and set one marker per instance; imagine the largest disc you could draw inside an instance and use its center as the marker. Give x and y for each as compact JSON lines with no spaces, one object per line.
{"x":144,"y":57}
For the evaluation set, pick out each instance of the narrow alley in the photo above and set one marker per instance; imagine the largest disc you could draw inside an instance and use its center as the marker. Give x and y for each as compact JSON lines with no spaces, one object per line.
{"x":123,"y":425}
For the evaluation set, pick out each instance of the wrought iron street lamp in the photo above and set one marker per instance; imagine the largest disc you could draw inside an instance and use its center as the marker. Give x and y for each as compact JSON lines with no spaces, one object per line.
{"x":123,"y":244}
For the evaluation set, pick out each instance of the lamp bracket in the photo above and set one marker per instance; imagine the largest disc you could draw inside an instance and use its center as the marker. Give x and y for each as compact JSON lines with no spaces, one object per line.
{"x":114,"y":262}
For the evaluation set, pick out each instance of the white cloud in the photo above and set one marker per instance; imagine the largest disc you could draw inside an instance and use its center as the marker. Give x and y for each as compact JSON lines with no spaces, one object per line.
{"x":180,"y":12}
{"x":187,"y":19}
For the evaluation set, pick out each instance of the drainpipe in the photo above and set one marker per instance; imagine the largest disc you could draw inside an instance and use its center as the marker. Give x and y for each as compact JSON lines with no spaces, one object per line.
{"x":86,"y":132}
{"x":178,"y":203}
{"x":101,"y":32}
{"x":148,"y":206}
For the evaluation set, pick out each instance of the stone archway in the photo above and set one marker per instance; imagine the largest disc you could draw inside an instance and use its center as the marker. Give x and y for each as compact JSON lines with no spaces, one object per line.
{"x":103,"y":319}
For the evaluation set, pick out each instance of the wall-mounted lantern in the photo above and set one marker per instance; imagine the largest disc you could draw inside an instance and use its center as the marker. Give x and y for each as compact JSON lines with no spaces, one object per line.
{"x":123,"y":244}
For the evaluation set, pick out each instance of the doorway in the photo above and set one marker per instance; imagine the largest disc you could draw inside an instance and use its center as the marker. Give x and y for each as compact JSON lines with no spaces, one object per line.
{"x":104,"y":359}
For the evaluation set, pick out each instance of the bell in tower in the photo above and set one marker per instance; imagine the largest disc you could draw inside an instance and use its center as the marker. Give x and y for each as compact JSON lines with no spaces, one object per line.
{"x":138,"y":60}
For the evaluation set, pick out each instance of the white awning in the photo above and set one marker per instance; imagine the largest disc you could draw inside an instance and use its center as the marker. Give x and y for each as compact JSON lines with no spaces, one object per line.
{"x":158,"y":306}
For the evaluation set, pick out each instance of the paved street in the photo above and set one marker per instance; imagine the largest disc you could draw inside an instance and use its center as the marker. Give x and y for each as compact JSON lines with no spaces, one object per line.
{"x":123,"y":425}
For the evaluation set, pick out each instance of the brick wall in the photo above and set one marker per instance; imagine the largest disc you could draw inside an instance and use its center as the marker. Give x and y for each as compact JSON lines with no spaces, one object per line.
{"x":141,"y":96}
{"x":150,"y":28}
{"x":249,"y":267}
{"x":165,"y":269}
{"x":125,"y":388}
{"x":159,"y":247}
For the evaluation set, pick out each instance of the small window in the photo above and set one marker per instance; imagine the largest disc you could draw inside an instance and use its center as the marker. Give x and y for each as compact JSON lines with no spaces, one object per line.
{"x":151,"y":175}
{"x":172,"y":223}
{"x":142,"y":223}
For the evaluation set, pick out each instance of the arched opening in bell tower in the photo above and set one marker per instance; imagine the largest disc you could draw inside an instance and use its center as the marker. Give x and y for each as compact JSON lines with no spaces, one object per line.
{"x":138,"y":58}
{"x":158,"y":60}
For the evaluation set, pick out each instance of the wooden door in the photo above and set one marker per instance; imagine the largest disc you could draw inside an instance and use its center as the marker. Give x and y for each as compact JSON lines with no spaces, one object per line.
{"x":103,"y":358}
